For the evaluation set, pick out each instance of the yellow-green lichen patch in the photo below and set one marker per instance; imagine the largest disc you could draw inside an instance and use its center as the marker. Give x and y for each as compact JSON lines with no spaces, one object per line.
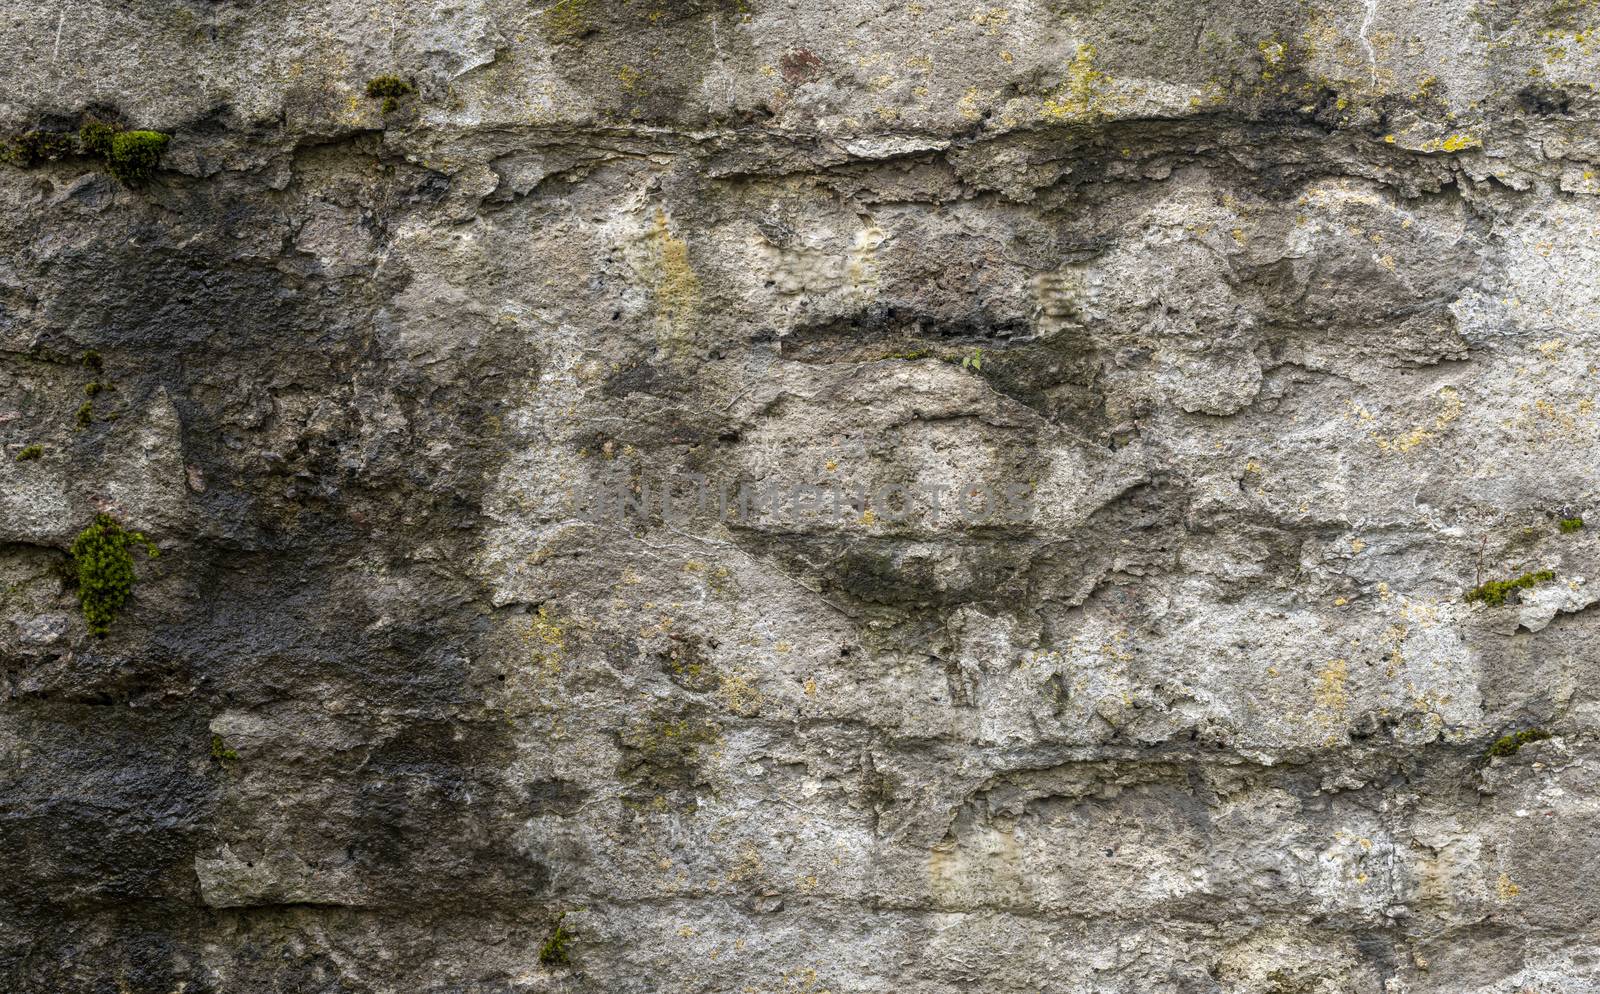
{"x":1274,"y":55}
{"x":631,"y":79}
{"x":547,"y":642}
{"x":677,"y":288}
{"x":1076,"y":98}
{"x":1455,"y":142}
{"x":740,"y":696}
{"x":567,"y":20}
{"x":1448,"y":404}
{"x":1332,"y":696}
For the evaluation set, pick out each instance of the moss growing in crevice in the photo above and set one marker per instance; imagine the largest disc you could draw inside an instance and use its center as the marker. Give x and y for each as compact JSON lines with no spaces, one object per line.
{"x":135,"y":155}
{"x":104,"y":566}
{"x":391,"y":90}
{"x":1495,"y":592}
{"x":30,"y":452}
{"x":86,"y":412}
{"x":130,"y":156}
{"x":1570,"y":525}
{"x":30,"y":148}
{"x":221,"y":751}
{"x":555,"y":951}
{"x":94,"y":137}
{"x":1507,"y":745}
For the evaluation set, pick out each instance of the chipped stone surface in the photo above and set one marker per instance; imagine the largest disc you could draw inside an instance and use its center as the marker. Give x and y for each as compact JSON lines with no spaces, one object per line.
{"x":1282,"y":314}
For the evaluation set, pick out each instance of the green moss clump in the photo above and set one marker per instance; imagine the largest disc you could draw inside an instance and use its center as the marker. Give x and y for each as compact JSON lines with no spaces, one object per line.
{"x":221,"y":751}
{"x":1495,"y":592}
{"x":130,"y":156}
{"x":555,"y":952}
{"x":391,"y":89}
{"x":30,"y":148}
{"x":91,"y":360}
{"x":1507,"y":745}
{"x":1570,"y":525}
{"x":30,"y":452}
{"x":135,"y":155}
{"x":105,"y":569}
{"x":85,"y":415}
{"x":94,"y":137}
{"x":92,"y":388}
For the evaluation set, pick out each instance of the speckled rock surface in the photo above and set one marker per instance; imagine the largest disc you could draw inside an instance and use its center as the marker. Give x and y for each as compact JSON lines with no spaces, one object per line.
{"x":1282,"y":312}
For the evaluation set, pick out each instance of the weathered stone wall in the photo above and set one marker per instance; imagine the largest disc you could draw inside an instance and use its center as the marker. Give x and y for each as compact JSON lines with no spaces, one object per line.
{"x":1284,"y":312}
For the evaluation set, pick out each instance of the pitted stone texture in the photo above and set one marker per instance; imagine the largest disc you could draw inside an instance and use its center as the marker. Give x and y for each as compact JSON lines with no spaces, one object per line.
{"x":1281,"y":314}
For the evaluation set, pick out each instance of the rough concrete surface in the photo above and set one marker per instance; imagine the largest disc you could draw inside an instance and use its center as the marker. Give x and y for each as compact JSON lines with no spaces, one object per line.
{"x":1283,"y":312}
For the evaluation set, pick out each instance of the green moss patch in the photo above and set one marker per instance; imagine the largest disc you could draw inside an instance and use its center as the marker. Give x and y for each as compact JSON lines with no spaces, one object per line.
{"x":30,"y":148}
{"x":1570,"y":525}
{"x":30,"y":452}
{"x":221,"y":751}
{"x":1495,"y":592}
{"x":391,"y":90}
{"x":130,"y":156}
{"x":95,"y":135}
{"x":1507,"y":745}
{"x":556,"y":949}
{"x":135,"y":155}
{"x":105,"y":569}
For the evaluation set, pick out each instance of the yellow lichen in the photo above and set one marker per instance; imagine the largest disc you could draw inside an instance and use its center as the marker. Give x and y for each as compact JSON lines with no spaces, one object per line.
{"x":1331,"y":694}
{"x":740,"y":696}
{"x":677,"y":288}
{"x":1274,"y":53}
{"x":1457,"y":142}
{"x":991,"y":18}
{"x":1075,"y":98}
{"x":547,"y":641}
{"x":1449,"y":402}
{"x":566,"y":20}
